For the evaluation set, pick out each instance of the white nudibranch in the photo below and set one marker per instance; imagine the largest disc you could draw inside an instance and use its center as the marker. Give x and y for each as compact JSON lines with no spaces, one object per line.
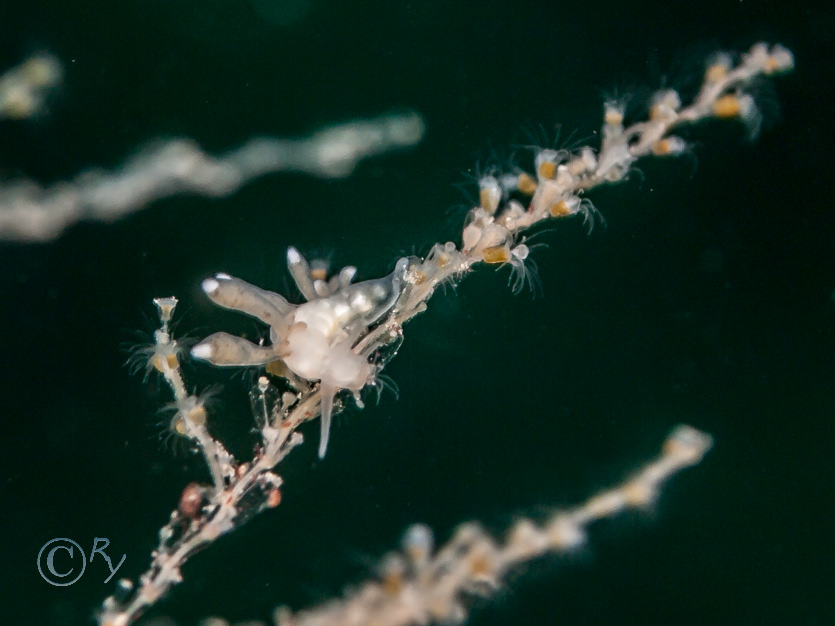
{"x":314,"y":339}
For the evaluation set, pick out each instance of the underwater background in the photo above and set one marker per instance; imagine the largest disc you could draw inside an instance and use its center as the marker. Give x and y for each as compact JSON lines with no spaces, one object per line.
{"x":708,"y":298}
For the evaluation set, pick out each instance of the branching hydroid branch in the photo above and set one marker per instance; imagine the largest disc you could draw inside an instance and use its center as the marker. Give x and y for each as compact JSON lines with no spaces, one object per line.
{"x":342,"y":336}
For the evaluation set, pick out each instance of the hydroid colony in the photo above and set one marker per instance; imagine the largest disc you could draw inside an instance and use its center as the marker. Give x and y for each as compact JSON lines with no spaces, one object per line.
{"x":322,"y":353}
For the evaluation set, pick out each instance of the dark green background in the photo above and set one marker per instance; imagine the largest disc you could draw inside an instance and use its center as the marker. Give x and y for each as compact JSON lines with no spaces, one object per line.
{"x":708,"y":299}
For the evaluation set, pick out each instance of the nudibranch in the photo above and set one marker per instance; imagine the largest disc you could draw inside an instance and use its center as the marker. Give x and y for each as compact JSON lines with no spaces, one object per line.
{"x":315,"y":339}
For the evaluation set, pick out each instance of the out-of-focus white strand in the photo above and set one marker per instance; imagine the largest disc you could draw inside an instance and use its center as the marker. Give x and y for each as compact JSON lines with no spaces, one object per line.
{"x":418,"y":586}
{"x":32,"y":212}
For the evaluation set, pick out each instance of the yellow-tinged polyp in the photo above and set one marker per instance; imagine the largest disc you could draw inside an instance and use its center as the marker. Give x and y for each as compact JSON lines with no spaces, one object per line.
{"x":496,"y":254}
{"x":727,"y":106}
